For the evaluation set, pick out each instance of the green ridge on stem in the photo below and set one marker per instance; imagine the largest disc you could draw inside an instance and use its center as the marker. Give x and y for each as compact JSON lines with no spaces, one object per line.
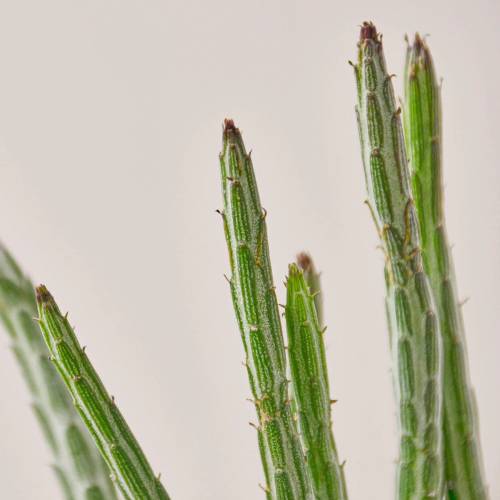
{"x":103,"y":419}
{"x":422,"y":119}
{"x":81,"y":472}
{"x":414,"y":337}
{"x":256,"y":309}
{"x":306,"y":352}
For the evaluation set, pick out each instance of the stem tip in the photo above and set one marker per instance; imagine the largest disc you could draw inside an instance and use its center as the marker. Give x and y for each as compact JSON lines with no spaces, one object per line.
{"x":368,"y":32}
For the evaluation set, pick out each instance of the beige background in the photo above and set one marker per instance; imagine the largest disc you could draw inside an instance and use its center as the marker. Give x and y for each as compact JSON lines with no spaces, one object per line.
{"x":110,"y":122}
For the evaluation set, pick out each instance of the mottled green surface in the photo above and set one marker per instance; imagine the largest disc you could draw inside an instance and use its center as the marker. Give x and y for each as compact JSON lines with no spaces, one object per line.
{"x":77,"y":464}
{"x":415,"y":339}
{"x":311,"y":392}
{"x":256,"y":309}
{"x":103,"y":419}
{"x":422,"y":117}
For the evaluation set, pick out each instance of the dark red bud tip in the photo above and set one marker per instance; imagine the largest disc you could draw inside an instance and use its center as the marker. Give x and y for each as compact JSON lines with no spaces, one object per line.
{"x":229,"y":126}
{"x":368,"y":32}
{"x":418,"y":44}
{"x":304,"y":261}
{"x":43,"y":295}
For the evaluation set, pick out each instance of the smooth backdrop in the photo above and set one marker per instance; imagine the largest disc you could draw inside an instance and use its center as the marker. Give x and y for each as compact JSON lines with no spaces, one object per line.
{"x":110,"y":128}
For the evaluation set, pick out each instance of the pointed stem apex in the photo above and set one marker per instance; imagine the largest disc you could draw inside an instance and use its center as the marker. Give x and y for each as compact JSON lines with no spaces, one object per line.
{"x":368,"y":32}
{"x":43,"y":296}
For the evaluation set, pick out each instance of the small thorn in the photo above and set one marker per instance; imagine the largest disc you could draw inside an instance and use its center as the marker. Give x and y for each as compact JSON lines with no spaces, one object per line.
{"x":251,"y":424}
{"x":83,"y":348}
{"x":265,"y":488}
{"x":462,"y":303}
{"x":227,"y":279}
{"x":333,"y":401}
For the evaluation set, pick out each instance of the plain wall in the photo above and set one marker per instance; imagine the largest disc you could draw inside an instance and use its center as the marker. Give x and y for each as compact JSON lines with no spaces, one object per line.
{"x":110,"y":128}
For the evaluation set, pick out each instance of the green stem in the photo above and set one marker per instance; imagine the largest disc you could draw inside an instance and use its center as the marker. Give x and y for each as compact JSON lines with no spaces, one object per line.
{"x":97,"y":409}
{"x":82,"y":473}
{"x":311,"y":390}
{"x":256,"y":309}
{"x":415,"y":339}
{"x":313,"y":281}
{"x":422,"y":113}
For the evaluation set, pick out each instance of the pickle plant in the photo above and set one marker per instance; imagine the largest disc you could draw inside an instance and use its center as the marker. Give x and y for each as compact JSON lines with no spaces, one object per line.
{"x":439,"y":440}
{"x":439,"y":449}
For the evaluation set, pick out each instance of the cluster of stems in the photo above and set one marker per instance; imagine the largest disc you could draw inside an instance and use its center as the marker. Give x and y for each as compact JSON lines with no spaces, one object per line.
{"x":81,"y":472}
{"x":439,"y":449}
{"x":294,"y":424}
{"x":439,"y":444}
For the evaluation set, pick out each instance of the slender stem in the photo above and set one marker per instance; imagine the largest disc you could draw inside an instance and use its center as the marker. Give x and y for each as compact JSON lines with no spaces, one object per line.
{"x":77,"y":464}
{"x":313,"y":280}
{"x":97,"y":409}
{"x":306,"y":352}
{"x":422,"y":118}
{"x":415,"y":339}
{"x":256,"y":309}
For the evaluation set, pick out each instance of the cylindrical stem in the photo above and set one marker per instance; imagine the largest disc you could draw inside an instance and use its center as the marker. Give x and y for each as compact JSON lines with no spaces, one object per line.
{"x":98,"y":410}
{"x":256,"y":309}
{"x":415,"y":339}
{"x":78,"y":465}
{"x":422,"y":118}
{"x":313,"y":280}
{"x":306,"y":352}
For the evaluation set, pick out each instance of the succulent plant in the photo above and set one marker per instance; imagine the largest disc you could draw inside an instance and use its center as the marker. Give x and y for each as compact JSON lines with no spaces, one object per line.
{"x":422,"y":120}
{"x":415,"y":339}
{"x":97,"y":409}
{"x":81,"y":472}
{"x":256,"y":309}
{"x":309,"y":373}
{"x":439,"y":448}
